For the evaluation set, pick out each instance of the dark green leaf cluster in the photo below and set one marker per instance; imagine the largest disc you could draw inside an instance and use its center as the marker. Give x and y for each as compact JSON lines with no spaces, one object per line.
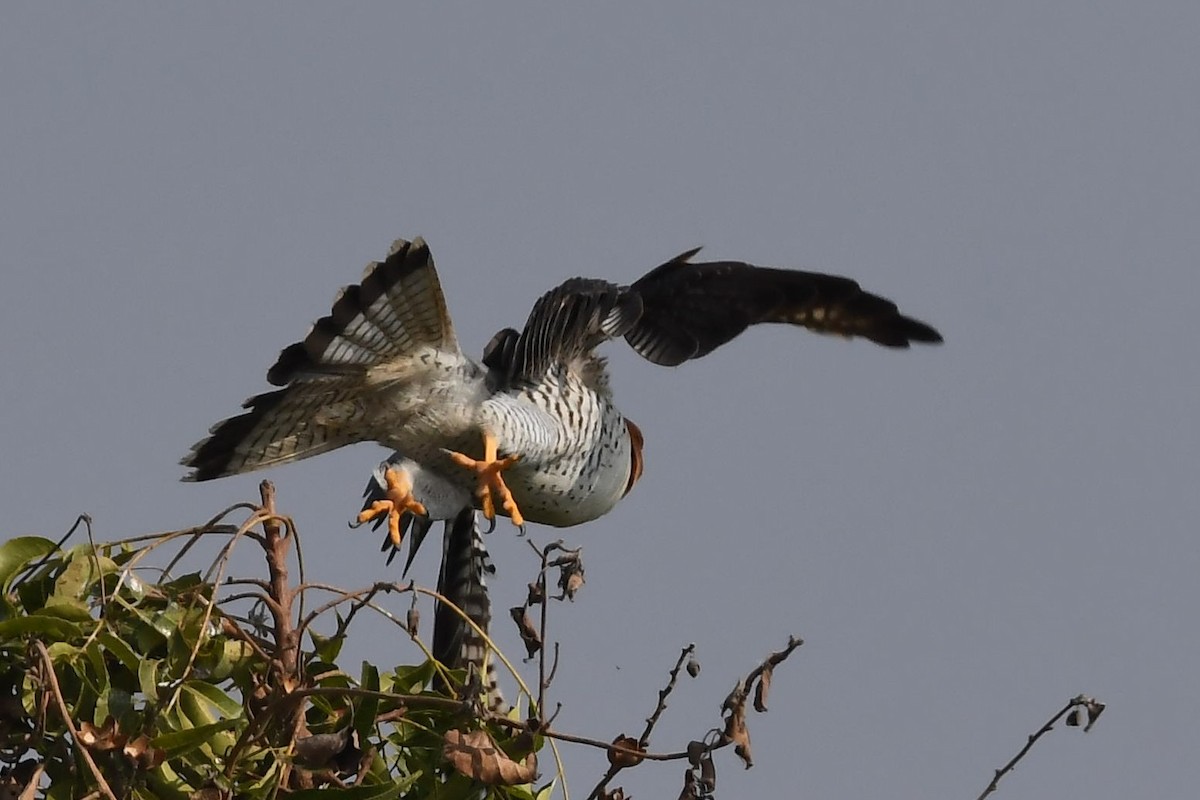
{"x":119,"y":680}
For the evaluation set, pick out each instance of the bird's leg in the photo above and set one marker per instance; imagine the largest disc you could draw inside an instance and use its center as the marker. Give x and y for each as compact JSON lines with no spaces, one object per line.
{"x":399,"y":499}
{"x":490,"y":482}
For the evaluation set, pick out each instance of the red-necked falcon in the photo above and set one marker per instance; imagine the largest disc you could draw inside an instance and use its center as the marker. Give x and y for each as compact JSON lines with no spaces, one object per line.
{"x":532,"y":430}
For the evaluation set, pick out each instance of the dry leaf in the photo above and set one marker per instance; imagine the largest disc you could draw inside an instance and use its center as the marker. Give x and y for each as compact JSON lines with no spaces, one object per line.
{"x":529,"y":634}
{"x":708,"y":775}
{"x":736,"y":732}
{"x":623,"y":758}
{"x":102,"y":739}
{"x":689,"y":786}
{"x":143,"y":756}
{"x":476,"y":755}
{"x":693,"y":667}
{"x":535,"y":595}
{"x":412,"y":622}
{"x":571,"y":582}
{"x":761,"y":690}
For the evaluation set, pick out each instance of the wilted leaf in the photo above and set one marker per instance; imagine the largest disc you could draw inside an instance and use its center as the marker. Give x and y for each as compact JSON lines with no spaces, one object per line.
{"x":623,"y":758}
{"x":693,"y":667}
{"x":143,"y":755}
{"x":412,"y":622}
{"x":529,"y":634}
{"x":1094,"y":709}
{"x":535,"y":594}
{"x":761,"y":690}
{"x":475,"y":755}
{"x":708,"y":775}
{"x":689,"y":786}
{"x":102,"y":739}
{"x":736,"y":732}
{"x":1073,"y":718}
{"x":571,"y":581}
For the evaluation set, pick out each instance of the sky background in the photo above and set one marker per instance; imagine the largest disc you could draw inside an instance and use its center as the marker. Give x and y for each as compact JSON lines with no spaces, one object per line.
{"x":966,"y":536}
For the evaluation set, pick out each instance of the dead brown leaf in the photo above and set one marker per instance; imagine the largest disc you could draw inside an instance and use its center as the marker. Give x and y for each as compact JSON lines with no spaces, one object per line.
{"x":143,"y":756}
{"x":761,"y":690}
{"x":102,"y":739}
{"x":625,"y":758}
{"x":525,"y":627}
{"x":476,"y":755}
{"x":736,"y":732}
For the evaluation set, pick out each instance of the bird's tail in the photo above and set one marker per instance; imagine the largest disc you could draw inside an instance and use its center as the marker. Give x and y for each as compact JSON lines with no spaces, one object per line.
{"x":396,"y":312}
{"x":456,"y":644}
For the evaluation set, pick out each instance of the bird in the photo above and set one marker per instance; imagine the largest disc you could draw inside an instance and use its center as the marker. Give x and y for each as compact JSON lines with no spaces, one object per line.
{"x":531,"y":431}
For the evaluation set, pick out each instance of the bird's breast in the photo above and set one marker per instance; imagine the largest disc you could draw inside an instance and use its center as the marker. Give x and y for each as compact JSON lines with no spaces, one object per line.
{"x":588,"y":470}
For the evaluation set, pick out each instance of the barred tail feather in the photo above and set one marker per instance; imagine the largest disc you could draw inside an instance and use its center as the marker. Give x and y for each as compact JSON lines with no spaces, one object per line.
{"x":465,"y":561}
{"x":395,"y":313}
{"x":397,"y":308}
{"x":302,"y":420}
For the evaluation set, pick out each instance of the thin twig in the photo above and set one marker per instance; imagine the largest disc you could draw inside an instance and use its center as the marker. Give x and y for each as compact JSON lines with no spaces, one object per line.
{"x":1094,"y":708}
{"x":65,"y":713}
{"x":616,"y":765}
{"x":664,"y":693}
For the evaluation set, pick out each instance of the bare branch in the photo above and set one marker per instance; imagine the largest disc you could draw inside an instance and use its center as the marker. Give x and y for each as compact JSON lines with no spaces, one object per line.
{"x":1093,"y":709}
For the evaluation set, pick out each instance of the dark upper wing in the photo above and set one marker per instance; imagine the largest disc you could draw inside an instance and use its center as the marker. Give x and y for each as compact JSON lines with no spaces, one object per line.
{"x":689,"y":310}
{"x":566,"y":323}
{"x":681,"y":310}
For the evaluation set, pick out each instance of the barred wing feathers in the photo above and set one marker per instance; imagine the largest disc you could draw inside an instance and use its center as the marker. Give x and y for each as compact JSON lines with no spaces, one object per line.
{"x":683,"y":310}
{"x":396,"y":309}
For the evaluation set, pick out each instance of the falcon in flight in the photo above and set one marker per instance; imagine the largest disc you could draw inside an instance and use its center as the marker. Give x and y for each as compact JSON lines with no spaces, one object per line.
{"x":531,"y":431}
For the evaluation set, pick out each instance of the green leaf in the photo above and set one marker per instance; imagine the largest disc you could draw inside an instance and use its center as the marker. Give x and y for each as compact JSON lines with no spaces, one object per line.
{"x":383,"y":791}
{"x":73,"y":582}
{"x":16,"y":554}
{"x":368,"y":707}
{"x":224,"y":704}
{"x":177,"y":743}
{"x":43,"y":626}
{"x":411,"y":679}
{"x":120,"y":650}
{"x":327,"y":648}
{"x":148,"y":678}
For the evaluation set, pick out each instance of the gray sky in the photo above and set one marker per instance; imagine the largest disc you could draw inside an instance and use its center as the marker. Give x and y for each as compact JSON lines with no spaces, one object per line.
{"x":966,"y":536}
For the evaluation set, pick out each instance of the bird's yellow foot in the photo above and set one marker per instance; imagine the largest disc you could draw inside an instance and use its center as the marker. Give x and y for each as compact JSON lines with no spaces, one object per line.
{"x":491,"y":486}
{"x":399,"y":499}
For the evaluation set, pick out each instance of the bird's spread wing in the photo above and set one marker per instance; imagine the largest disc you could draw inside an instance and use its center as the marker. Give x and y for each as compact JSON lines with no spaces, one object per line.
{"x":397,"y":309}
{"x":690,"y":309}
{"x":683,"y":310}
{"x":566,"y":323}
{"x":398,"y":306}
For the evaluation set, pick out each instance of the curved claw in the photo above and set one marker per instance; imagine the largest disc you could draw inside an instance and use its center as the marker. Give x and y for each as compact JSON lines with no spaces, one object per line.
{"x":399,"y":499}
{"x":490,"y":480}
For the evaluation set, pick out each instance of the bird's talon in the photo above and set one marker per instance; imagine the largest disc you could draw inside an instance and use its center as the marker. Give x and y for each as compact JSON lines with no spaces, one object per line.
{"x":490,"y":481}
{"x":399,"y":499}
